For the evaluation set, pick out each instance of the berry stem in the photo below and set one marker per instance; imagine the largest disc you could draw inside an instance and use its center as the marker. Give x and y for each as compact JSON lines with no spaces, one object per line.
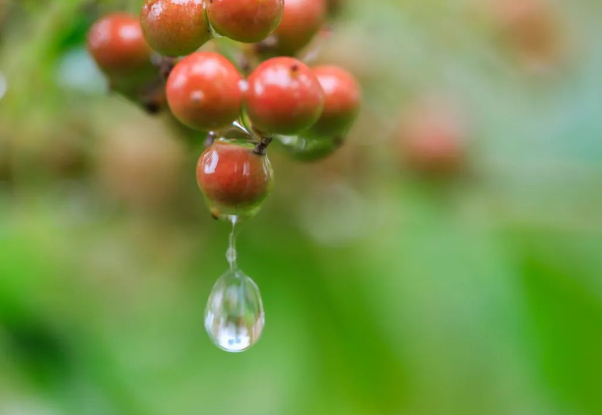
{"x":166,"y":65}
{"x":210,"y":139}
{"x":261,"y":148}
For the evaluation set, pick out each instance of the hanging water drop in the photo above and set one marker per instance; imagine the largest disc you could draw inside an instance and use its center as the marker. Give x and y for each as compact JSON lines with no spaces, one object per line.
{"x":231,"y":254}
{"x":234,"y":317}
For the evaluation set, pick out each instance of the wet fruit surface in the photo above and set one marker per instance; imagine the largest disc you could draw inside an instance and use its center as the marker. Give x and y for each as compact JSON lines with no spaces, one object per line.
{"x":203,"y":91}
{"x":234,"y":179}
{"x":175,"y":27}
{"x":283,"y":97}
{"x":341,"y":101}
{"x":245,"y":20}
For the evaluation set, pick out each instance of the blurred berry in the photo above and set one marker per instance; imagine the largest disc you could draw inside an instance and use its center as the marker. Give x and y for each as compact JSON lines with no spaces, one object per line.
{"x":531,"y":29}
{"x":431,"y":139}
{"x":246,"y":21}
{"x":301,"y":21}
{"x":342,"y":97}
{"x":118,"y":46}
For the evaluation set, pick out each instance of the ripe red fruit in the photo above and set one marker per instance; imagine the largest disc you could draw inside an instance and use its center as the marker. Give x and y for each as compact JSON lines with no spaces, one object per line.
{"x":234,"y":180}
{"x":431,"y":139}
{"x":341,"y":102}
{"x":118,"y":46}
{"x":301,"y":20}
{"x":203,"y":91}
{"x":246,"y":21}
{"x":175,"y":27}
{"x":283,"y":97}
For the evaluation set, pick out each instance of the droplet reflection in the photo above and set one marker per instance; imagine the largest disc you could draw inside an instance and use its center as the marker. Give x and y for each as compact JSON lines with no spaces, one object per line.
{"x":234,"y":317}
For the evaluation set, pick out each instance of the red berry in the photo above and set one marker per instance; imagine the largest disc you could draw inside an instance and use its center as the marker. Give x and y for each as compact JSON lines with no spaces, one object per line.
{"x":283,"y":97}
{"x":234,"y":180}
{"x":118,"y":46}
{"x":246,"y":21}
{"x":203,"y":91}
{"x":301,"y":21}
{"x":175,"y":27}
{"x":341,"y":102}
{"x":431,"y":139}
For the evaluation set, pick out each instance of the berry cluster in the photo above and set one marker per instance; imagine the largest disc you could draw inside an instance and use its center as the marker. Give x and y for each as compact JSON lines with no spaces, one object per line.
{"x":245,"y":102}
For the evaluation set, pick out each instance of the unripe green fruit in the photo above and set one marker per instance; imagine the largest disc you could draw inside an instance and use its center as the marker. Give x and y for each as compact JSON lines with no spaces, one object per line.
{"x":283,"y":97}
{"x":234,"y":180}
{"x":175,"y":27}
{"x":247,"y":21}
{"x":203,"y":91}
{"x":301,"y":21}
{"x":342,"y":98}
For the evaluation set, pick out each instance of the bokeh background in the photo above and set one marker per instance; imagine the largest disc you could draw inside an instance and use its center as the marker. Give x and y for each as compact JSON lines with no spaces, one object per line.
{"x":387,"y":291}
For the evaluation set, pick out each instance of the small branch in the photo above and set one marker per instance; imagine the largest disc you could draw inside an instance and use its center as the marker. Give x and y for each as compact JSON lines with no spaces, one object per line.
{"x":166,"y":65}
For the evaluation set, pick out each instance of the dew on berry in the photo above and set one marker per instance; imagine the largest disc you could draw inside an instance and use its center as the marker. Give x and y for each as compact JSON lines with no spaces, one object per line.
{"x":234,"y":317}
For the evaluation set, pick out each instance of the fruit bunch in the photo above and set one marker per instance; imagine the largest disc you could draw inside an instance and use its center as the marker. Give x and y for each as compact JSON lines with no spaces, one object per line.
{"x":262,"y":93}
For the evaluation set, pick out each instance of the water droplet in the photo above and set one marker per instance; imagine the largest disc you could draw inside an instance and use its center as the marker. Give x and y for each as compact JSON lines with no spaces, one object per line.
{"x":234,"y":317}
{"x":231,"y":254}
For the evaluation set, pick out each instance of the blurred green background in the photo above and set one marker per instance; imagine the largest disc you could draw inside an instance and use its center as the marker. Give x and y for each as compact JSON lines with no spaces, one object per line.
{"x":385,"y":292}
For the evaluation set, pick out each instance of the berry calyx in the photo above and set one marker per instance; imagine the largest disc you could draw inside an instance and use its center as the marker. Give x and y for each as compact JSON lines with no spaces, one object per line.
{"x":301,"y":21}
{"x":234,"y":180}
{"x":283,"y":97}
{"x":245,"y":21}
{"x":175,"y":27}
{"x":118,"y":46}
{"x":341,"y":102}
{"x":203,"y":91}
